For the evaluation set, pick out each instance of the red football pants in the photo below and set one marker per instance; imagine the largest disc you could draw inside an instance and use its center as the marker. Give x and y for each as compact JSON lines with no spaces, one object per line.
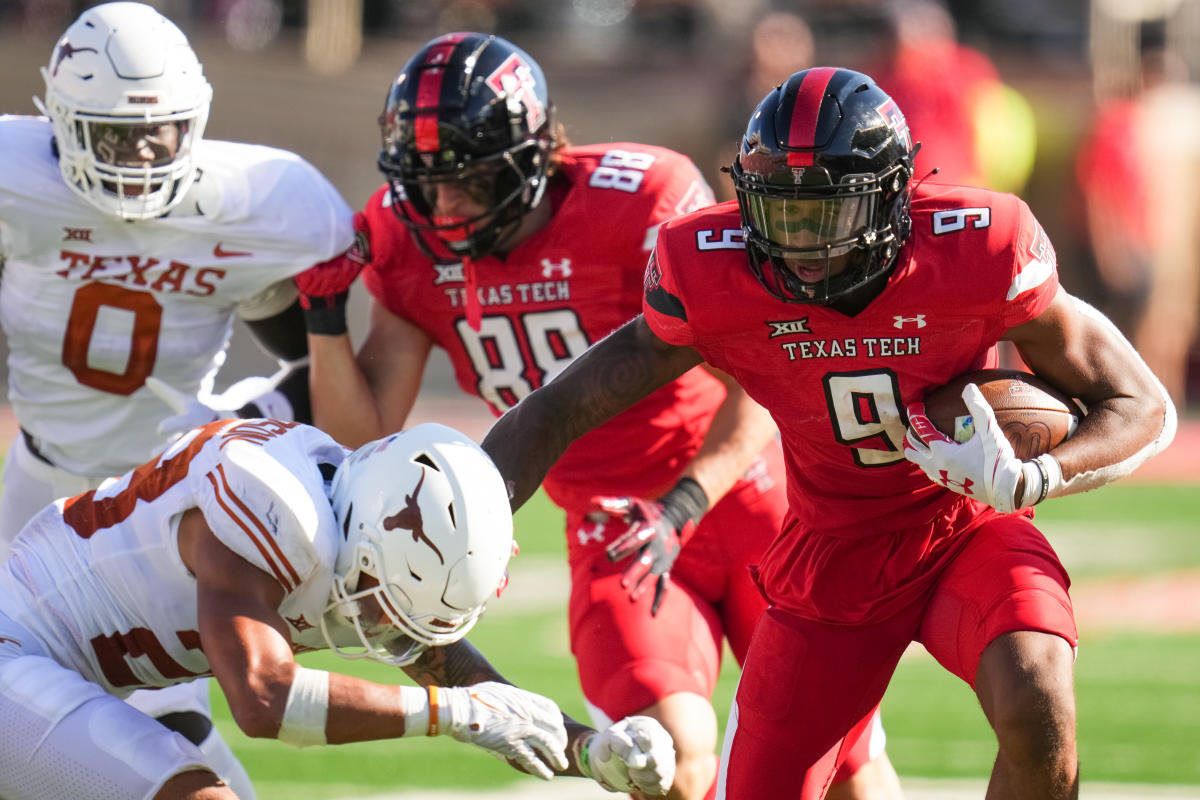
{"x":806,"y":683}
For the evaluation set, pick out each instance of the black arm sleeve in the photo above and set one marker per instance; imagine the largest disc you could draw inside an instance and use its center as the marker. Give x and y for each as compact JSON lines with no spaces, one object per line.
{"x":283,"y":337}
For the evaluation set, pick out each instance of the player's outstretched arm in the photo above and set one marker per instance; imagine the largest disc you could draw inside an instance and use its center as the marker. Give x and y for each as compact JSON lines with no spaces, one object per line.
{"x":271,"y":696}
{"x":657,"y":531}
{"x":1129,"y":416}
{"x":608,"y":378}
{"x":635,"y":754}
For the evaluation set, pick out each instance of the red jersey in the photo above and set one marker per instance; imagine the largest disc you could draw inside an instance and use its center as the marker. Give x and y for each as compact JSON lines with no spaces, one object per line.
{"x":568,"y":285}
{"x":976,"y":264}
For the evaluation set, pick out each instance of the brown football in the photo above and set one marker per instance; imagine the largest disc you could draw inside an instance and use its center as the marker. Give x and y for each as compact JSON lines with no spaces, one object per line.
{"x":1034,"y":416}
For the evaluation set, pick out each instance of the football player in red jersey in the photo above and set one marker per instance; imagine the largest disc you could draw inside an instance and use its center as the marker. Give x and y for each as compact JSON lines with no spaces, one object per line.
{"x":513,"y":251}
{"x":837,"y":290}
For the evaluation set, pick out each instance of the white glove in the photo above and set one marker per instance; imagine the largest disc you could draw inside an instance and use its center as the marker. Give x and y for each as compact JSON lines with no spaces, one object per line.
{"x":192,"y":412}
{"x":635,"y":754}
{"x":520,"y":727}
{"x":983,"y":467}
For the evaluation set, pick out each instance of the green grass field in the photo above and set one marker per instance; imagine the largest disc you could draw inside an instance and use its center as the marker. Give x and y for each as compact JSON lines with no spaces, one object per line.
{"x":1138,"y":692}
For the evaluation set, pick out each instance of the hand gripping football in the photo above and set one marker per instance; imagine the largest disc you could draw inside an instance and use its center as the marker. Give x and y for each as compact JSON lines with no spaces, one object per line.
{"x":1034,"y":416}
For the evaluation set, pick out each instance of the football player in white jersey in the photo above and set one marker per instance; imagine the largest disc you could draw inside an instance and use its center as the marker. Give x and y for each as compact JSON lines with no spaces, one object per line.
{"x":244,"y":543}
{"x":129,"y":243}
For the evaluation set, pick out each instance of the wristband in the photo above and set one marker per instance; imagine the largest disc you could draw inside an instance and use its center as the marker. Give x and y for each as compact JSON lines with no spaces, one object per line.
{"x":1035,"y":484}
{"x":414,"y":703}
{"x":581,"y":755}
{"x":687,"y":501}
{"x":307,"y":707}
{"x":1052,"y":475}
{"x":1045,"y":476}
{"x":325,"y":315}
{"x":1042,"y":476}
{"x":432,"y":729}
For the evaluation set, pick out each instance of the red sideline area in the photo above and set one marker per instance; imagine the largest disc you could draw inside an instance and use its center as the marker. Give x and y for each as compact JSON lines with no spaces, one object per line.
{"x":1179,"y":463}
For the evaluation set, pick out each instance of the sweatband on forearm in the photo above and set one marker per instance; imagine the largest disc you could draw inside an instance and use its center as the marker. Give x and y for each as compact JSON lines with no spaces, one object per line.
{"x":307,"y":708}
{"x":326,"y":316}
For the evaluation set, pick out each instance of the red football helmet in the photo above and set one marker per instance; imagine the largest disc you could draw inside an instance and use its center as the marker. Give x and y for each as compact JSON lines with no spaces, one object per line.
{"x":470,"y":110}
{"x":822,"y":183}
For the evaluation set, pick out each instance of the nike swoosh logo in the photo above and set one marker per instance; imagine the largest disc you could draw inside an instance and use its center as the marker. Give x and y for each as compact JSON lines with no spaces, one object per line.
{"x":220,"y":252}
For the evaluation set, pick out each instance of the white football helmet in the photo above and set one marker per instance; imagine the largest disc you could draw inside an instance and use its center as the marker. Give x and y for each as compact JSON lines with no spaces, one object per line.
{"x":128,"y":101}
{"x":426,"y":520}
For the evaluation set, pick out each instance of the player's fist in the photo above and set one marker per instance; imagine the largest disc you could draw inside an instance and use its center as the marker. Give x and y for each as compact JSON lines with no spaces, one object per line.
{"x":983,"y":467}
{"x":520,"y":727}
{"x":635,"y":754}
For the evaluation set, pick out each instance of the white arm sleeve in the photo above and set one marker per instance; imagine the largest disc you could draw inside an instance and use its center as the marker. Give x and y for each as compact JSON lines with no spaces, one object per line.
{"x":1085,"y":481}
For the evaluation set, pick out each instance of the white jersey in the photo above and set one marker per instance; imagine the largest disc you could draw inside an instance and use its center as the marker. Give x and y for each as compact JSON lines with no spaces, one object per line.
{"x":92,"y":305}
{"x":98,"y":577}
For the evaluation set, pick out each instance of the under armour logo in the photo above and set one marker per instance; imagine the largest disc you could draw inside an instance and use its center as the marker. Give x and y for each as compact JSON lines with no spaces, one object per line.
{"x":448,"y":273}
{"x":901,"y":321}
{"x":77,"y":234}
{"x":788,"y":326}
{"x":550,"y":267}
{"x":299,"y":623}
{"x":410,"y":519}
{"x":594,"y":533}
{"x":964,"y":487}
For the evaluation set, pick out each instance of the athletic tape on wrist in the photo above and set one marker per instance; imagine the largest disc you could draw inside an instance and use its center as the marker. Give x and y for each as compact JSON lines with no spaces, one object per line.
{"x":1051,"y":475}
{"x":1045,"y":487}
{"x":414,"y":703}
{"x":307,"y":708}
{"x":1043,"y":475}
{"x":1035,"y":484}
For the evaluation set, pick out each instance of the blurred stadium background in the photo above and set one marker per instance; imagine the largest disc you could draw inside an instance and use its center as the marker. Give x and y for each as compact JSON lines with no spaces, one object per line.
{"x":311,"y":77}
